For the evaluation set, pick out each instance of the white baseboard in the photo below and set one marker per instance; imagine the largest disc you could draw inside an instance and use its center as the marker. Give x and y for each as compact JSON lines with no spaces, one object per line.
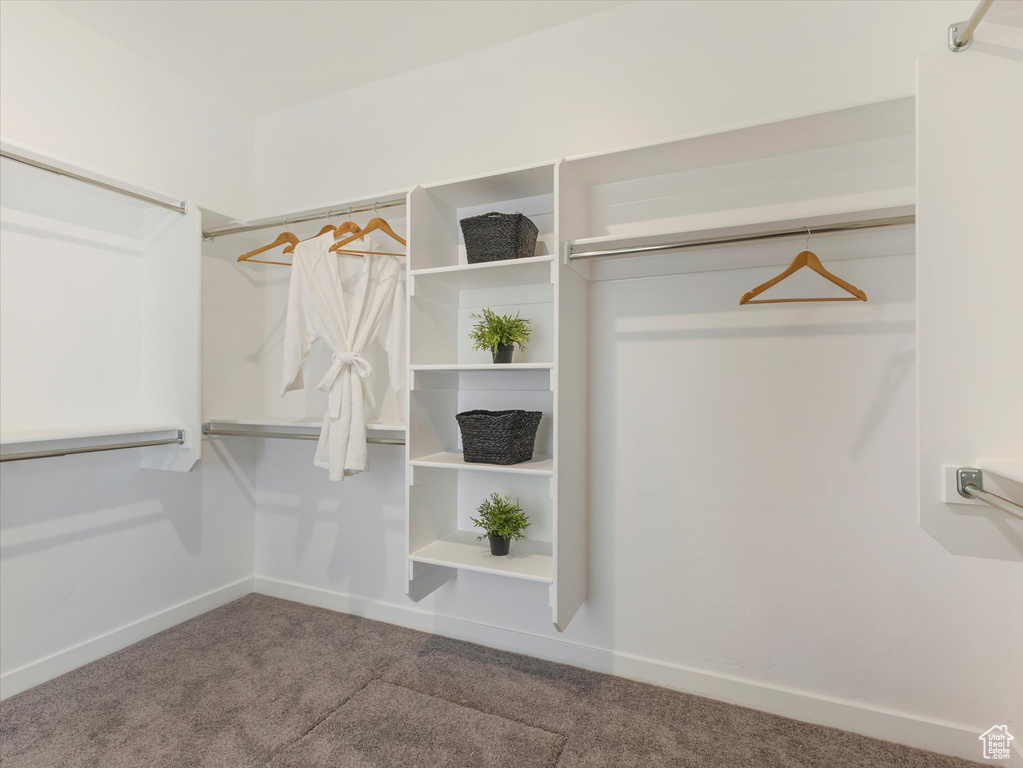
{"x":30,"y":675}
{"x":899,"y":727}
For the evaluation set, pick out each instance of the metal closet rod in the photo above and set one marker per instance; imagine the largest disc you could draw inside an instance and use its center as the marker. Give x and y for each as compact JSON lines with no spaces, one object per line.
{"x":970,"y":484}
{"x":960,"y":34}
{"x":179,"y":440}
{"x":326,"y":214}
{"x":181,"y":207}
{"x":640,"y":250}
{"x":208,"y":430}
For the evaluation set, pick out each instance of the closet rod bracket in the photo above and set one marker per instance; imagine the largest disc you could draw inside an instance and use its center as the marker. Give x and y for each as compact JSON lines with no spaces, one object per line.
{"x":953,"y":38}
{"x":968,"y":476}
{"x":960,"y":34}
{"x":970,"y":484}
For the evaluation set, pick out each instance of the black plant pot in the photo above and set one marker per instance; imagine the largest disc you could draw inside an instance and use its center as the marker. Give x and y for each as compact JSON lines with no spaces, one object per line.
{"x":499,"y":545}
{"x":503,"y":353}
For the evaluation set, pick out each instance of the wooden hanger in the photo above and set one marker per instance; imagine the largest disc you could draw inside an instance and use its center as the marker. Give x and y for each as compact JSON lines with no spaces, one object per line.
{"x":804,"y":259}
{"x":374,"y":225}
{"x":342,"y":229}
{"x":282,"y":239}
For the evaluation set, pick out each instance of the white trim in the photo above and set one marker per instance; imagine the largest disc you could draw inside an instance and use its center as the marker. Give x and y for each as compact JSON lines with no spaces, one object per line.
{"x":902,"y":728}
{"x":49,"y":667}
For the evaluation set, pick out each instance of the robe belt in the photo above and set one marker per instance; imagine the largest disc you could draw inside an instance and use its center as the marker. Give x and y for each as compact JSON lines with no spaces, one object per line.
{"x":333,"y":382}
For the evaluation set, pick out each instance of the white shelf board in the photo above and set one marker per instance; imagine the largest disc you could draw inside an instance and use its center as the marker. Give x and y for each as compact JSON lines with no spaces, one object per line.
{"x":527,"y":559}
{"x":493,"y":274}
{"x":503,"y":367}
{"x":746,"y":221}
{"x":513,"y":184}
{"x":24,"y":437}
{"x":539,"y":465}
{"x":304,"y":422}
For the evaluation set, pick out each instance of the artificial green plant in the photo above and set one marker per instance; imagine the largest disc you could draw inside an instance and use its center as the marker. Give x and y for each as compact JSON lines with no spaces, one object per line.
{"x":493,"y":330}
{"x":499,"y":517}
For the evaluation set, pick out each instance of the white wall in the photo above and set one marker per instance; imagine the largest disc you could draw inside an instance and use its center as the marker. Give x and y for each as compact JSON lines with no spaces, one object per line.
{"x":73,"y":94}
{"x":644,"y":72}
{"x":966,"y":414}
{"x":96,"y":552}
{"x":805,"y":571}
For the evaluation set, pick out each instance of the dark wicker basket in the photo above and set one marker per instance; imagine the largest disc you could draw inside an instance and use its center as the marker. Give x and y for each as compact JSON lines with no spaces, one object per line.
{"x":498,"y":437}
{"x":498,"y":236}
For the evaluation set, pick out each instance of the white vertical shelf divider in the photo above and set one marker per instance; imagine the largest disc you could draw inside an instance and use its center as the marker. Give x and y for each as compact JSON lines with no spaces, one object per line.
{"x":570,"y":382}
{"x":172,"y":343}
{"x":426,"y":238}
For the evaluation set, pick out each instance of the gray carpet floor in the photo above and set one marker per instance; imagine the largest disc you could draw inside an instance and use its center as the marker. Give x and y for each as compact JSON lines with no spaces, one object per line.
{"x":269,"y":683}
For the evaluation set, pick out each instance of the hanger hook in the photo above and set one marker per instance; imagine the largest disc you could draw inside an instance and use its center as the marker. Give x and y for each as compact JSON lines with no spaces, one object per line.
{"x":806,"y":245}
{"x":375,"y":211}
{"x":350,"y":213}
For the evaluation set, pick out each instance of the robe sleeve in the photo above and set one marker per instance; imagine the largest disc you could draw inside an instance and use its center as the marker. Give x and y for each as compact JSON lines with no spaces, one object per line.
{"x":393,"y":336}
{"x":298,"y":335}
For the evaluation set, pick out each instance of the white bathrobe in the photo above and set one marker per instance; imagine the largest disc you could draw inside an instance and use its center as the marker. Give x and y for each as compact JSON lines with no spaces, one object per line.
{"x":319,"y":309}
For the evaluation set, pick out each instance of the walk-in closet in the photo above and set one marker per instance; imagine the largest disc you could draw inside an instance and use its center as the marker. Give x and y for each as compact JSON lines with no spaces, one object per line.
{"x":513,"y":384}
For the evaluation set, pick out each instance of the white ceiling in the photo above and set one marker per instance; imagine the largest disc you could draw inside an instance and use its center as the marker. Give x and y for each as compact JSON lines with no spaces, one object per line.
{"x":265,"y":55}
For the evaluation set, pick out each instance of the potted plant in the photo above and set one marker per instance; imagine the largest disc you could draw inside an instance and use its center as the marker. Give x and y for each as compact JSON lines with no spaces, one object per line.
{"x":502,"y":521}
{"x":500,"y":334}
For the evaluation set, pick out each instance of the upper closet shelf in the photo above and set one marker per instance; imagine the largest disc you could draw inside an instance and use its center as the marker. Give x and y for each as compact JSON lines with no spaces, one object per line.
{"x":504,"y":367}
{"x":494,"y":274}
{"x":382,"y":433}
{"x":51,"y":443}
{"x":741,"y":198}
{"x":758,"y":222}
{"x":31,"y":436}
{"x":303,"y":425}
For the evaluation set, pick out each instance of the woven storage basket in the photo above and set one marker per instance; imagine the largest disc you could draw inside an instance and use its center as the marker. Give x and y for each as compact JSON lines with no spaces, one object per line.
{"x":498,"y":236}
{"x":498,"y":437}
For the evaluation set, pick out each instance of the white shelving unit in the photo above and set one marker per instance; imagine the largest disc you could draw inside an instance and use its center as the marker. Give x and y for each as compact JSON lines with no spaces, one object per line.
{"x":820,"y":171}
{"x":114,"y":353}
{"x":447,"y":376}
